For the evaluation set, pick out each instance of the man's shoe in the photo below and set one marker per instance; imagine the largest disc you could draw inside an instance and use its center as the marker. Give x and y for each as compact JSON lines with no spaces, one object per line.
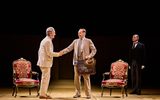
{"x":76,"y":96}
{"x":49,"y":97}
{"x":139,"y":92}
{"x":45,"y":97}
{"x":133,"y":92}
{"x":88,"y":97}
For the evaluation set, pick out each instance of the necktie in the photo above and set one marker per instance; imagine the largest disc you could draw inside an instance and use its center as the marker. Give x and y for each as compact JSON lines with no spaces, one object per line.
{"x":79,"y":47}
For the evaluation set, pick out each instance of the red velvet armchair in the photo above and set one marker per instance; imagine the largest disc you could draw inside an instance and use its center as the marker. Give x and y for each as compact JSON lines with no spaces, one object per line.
{"x":23,"y":76}
{"x":117,"y":77}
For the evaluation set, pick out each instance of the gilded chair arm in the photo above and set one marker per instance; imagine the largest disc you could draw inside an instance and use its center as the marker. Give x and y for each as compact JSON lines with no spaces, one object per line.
{"x":14,"y":77}
{"x":105,"y":74}
{"x":126,"y":81}
{"x":35,"y":73}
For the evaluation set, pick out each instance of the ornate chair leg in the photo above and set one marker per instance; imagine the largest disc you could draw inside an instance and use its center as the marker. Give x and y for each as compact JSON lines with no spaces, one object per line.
{"x":122,"y":90}
{"x":102,"y":92}
{"x":110,"y":91}
{"x":29,"y":91}
{"x":37,"y":91}
{"x":16,"y":91}
{"x":13,"y":90}
{"x":126,"y":91}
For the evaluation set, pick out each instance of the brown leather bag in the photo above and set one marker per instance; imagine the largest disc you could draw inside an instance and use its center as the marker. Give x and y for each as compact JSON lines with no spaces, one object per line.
{"x":87,"y":66}
{"x":90,"y":62}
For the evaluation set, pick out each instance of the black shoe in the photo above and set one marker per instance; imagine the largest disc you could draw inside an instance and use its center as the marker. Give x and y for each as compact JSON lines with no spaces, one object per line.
{"x":76,"y":96}
{"x":133,"y":92}
{"x":139,"y":92}
{"x":88,"y":97}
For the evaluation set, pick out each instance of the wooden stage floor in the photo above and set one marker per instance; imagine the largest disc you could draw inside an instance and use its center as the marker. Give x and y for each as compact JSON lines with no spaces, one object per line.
{"x":64,"y":90}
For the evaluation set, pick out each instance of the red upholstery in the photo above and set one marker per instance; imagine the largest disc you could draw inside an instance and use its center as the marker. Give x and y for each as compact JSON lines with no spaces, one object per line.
{"x":113,"y":83}
{"x":22,"y":68}
{"x":117,"y":77}
{"x":26,"y":82}
{"x":22,"y":76}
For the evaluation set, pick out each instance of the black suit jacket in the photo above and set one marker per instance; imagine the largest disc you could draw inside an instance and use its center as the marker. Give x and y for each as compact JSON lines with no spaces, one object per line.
{"x":137,"y":54}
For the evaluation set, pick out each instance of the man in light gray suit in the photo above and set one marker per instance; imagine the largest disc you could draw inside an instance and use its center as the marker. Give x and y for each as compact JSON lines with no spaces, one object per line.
{"x":83,"y":49}
{"x":45,"y":61}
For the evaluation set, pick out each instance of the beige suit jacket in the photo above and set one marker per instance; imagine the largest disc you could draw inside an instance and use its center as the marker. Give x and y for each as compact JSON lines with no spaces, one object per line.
{"x":88,"y":49}
{"x":45,"y":53}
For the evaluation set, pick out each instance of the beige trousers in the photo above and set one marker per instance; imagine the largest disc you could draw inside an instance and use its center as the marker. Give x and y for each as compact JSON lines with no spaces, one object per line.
{"x":45,"y":78}
{"x":77,"y":82}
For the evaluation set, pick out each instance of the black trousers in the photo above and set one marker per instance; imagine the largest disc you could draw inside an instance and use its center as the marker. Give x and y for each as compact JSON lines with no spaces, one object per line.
{"x":136,"y":76}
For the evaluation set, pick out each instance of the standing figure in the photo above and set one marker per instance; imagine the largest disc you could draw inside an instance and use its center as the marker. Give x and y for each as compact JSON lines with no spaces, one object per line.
{"x":45,"y":61}
{"x":136,"y":62}
{"x":83,"y":49}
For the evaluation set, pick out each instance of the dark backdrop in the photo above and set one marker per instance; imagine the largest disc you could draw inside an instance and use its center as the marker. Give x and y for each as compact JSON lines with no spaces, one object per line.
{"x":109,"y":49}
{"x":109,"y":25}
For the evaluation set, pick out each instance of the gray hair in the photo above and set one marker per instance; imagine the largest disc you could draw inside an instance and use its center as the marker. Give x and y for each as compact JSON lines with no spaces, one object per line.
{"x":82,"y":29}
{"x":50,"y":29}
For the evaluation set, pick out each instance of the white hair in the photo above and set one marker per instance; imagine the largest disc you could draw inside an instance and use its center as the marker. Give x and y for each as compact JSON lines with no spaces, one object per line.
{"x":82,"y":30}
{"x":50,"y":29}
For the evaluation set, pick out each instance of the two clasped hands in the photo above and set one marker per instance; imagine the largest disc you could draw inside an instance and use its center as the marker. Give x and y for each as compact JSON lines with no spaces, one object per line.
{"x":61,"y":53}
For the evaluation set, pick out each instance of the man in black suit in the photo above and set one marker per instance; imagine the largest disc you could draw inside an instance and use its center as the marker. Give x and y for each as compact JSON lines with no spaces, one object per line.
{"x":136,"y":62}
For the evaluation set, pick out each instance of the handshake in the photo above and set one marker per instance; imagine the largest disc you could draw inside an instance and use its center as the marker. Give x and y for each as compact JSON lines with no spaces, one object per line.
{"x":58,"y":54}
{"x":61,"y":53}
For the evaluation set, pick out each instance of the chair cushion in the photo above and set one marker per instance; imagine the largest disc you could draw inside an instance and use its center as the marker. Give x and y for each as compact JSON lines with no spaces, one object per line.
{"x":27,"y":82}
{"x":113,"y":83}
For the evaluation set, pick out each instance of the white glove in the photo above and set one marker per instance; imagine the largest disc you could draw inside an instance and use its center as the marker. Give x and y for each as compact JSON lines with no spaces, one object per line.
{"x":142,"y":67}
{"x":129,"y":67}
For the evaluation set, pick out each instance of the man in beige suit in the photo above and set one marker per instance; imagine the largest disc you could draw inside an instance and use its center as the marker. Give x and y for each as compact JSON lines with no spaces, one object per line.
{"x":83,"y":49}
{"x":45,"y":61}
